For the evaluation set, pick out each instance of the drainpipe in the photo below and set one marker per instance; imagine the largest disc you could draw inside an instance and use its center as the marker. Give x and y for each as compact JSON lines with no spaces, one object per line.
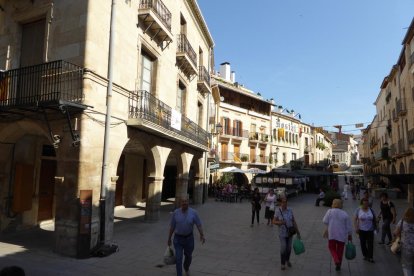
{"x":104,"y":177}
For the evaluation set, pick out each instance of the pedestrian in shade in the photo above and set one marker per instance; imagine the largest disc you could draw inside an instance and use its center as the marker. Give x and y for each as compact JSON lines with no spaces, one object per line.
{"x":388,"y":216}
{"x":365,"y":225}
{"x":270,"y":202}
{"x":284,"y":219}
{"x":182,"y":223}
{"x":338,"y":231}
{"x":256,"y":205}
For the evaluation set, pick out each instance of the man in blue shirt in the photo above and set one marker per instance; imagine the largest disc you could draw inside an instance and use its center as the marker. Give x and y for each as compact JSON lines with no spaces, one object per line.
{"x":182,"y":223}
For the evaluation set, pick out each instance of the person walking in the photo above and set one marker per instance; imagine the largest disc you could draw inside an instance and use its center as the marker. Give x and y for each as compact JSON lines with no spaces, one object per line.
{"x":284,"y":219}
{"x":256,"y":205}
{"x":321,"y":197}
{"x":270,"y":203}
{"x":181,"y":225}
{"x":338,"y":231}
{"x":365,"y":225}
{"x":345,"y":192}
{"x":405,"y":230}
{"x":388,"y":216}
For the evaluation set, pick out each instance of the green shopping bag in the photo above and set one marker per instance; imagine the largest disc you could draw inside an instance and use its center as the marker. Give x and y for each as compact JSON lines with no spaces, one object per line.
{"x":298,"y":246}
{"x":350,"y":251}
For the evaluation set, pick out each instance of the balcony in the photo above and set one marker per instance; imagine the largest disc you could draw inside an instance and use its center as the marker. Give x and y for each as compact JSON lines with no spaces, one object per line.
{"x":394,"y":115}
{"x":155,"y":19}
{"x":259,"y":137}
{"x":203,"y":82}
{"x":186,"y":56}
{"x":52,"y":85}
{"x":148,"y":113}
{"x":401,"y":109}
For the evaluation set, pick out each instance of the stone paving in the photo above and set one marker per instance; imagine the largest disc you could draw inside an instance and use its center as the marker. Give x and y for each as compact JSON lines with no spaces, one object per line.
{"x":232,"y":247}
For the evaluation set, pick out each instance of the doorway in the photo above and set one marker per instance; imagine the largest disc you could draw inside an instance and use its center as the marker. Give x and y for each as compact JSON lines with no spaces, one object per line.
{"x":46,"y":189}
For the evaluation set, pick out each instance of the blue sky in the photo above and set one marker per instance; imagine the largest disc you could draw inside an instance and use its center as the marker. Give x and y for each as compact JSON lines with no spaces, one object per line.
{"x":325,"y":59}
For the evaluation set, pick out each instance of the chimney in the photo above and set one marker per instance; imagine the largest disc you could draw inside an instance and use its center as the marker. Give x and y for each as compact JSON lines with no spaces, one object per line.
{"x":233,"y":76}
{"x":225,"y":70}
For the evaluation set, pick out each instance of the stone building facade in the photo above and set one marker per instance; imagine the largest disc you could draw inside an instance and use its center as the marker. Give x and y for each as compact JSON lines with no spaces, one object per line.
{"x":389,"y":140}
{"x":54,"y":57}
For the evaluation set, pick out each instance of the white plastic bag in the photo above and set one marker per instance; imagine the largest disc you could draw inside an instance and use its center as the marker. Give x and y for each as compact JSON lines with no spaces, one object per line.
{"x":169,"y":256}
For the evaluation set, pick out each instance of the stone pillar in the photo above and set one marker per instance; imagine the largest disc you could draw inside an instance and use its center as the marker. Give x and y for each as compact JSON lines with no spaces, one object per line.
{"x":410,"y":196}
{"x":181,"y":190}
{"x":152,"y":210}
{"x":198,"y":190}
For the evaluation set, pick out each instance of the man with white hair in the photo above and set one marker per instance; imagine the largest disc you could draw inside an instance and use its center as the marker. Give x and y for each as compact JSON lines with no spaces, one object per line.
{"x":182,"y":224}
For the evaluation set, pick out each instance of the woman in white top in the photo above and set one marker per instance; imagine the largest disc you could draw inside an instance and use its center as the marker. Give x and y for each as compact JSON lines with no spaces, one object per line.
{"x":338,"y":231}
{"x":365,"y":225}
{"x":270,"y":202}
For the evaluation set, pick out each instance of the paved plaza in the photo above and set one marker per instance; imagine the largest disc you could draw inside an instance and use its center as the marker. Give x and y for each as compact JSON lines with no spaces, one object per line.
{"x":232,"y":247}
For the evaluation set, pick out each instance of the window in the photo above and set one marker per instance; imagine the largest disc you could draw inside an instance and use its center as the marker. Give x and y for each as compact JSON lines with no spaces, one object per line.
{"x":226,"y":125}
{"x":200,"y":114}
{"x":238,"y":128}
{"x":293,"y":156}
{"x":146,"y":73}
{"x":181,"y":97}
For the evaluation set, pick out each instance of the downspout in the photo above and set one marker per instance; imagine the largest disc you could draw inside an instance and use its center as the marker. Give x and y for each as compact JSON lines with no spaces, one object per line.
{"x":206,"y":168}
{"x":104,"y":177}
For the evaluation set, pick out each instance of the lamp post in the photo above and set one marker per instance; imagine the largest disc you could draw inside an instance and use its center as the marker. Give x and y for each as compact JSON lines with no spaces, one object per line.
{"x":275,"y":153}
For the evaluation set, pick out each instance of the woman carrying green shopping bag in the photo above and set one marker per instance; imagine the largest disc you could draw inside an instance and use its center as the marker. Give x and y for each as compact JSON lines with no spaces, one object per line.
{"x":287,"y":229}
{"x":338,"y":231}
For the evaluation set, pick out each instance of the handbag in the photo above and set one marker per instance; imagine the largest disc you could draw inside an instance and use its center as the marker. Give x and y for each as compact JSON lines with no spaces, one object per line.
{"x":272,"y":207}
{"x":396,"y":244}
{"x":298,"y":246}
{"x":291,"y":230}
{"x":169,"y":256}
{"x":350,"y":251}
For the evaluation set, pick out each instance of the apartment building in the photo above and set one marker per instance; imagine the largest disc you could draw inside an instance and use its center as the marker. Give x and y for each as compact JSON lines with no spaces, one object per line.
{"x":345,"y":150}
{"x":96,"y":113}
{"x":251,"y":132}
{"x":390,"y":137}
{"x":286,"y":138}
{"x":245,"y":119}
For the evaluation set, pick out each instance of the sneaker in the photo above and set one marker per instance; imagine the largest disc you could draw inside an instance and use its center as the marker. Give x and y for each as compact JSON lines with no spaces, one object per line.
{"x":289,"y":264}
{"x":283,"y":267}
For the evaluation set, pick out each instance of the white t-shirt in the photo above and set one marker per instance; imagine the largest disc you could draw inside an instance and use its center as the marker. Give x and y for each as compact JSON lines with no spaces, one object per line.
{"x":365,"y":219}
{"x":339,"y":224}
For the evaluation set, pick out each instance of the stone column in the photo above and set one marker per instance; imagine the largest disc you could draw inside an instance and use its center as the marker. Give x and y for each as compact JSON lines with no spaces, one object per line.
{"x":198,"y":190}
{"x":181,"y":189}
{"x":152,"y":210}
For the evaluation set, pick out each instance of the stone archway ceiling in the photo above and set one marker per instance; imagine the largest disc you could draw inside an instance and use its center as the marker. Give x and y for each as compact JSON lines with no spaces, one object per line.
{"x":134,"y":146}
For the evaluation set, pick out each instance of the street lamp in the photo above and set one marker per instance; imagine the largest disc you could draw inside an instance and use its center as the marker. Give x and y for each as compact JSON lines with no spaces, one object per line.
{"x":219,"y":128}
{"x":275,"y":153}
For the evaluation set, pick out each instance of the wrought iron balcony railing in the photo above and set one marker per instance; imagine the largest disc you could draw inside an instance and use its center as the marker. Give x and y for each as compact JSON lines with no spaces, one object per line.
{"x":144,"y":105}
{"x":401,"y":109}
{"x":158,"y":7}
{"x":203,"y":75}
{"x":41,"y":85}
{"x":184,"y":47}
